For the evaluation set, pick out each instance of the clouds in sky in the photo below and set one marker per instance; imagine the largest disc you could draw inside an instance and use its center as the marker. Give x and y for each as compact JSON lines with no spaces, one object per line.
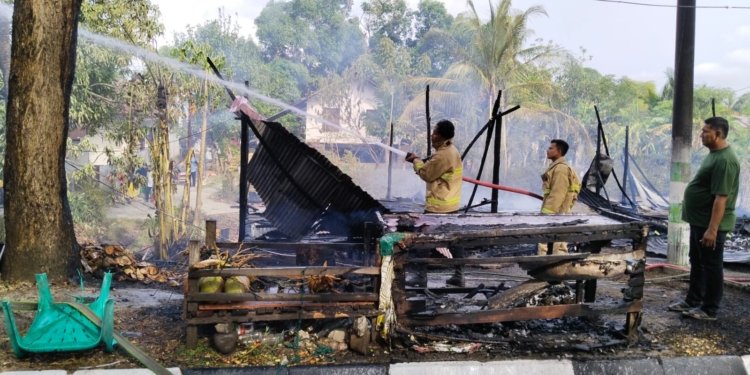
{"x":740,"y":56}
{"x":176,"y":15}
{"x":744,"y":31}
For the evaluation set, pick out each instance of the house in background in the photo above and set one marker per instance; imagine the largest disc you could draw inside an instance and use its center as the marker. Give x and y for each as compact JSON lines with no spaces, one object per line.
{"x":344,"y":129}
{"x":95,"y":152}
{"x":95,"y":156}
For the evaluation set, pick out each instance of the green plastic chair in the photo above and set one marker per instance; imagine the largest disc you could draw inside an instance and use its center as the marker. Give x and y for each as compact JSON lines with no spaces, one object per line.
{"x":59,"y":327}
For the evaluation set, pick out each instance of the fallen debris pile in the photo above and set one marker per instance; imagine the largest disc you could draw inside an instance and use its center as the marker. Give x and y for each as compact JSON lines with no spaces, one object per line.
{"x":214,"y":258}
{"x":96,"y":259}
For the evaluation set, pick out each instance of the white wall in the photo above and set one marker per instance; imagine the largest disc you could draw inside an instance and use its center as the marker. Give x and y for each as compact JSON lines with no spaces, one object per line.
{"x":352,"y":105}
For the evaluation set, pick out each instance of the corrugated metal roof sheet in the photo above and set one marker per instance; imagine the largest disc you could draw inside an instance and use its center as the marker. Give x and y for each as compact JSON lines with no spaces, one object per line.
{"x":313,"y":190}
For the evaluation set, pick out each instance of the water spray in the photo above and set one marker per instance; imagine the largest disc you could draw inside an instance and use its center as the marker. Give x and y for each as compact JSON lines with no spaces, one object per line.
{"x":198,"y":72}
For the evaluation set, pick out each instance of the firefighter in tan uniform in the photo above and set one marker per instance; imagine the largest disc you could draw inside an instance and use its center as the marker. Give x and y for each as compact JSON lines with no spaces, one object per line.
{"x":561,"y":186}
{"x":442,"y":172}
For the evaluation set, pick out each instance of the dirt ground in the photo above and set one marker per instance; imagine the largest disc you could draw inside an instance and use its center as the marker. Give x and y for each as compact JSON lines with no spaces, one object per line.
{"x":151,"y":318}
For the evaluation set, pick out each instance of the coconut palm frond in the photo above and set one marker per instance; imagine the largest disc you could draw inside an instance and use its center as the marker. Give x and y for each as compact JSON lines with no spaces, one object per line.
{"x":434,"y":82}
{"x":441,"y":101}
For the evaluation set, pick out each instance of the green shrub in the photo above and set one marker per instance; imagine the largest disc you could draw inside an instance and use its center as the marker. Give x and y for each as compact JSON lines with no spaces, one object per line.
{"x":88,"y":202}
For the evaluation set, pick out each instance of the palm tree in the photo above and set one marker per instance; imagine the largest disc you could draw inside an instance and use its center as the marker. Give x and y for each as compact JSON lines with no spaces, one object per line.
{"x":497,"y":55}
{"x":497,"y":59}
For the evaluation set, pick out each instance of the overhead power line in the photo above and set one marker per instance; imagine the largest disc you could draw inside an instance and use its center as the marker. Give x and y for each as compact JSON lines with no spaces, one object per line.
{"x":675,"y":6}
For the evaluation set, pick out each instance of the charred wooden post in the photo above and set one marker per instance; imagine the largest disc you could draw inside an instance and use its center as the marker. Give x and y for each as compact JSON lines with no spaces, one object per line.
{"x":634,"y":292}
{"x":579,"y":290}
{"x":368,"y":252}
{"x":244,"y":181}
{"x":191,"y":308}
{"x":194,"y":252}
{"x":429,"y":120}
{"x":211,"y":234}
{"x":390,"y":164}
{"x":496,"y":160}
{"x":399,"y":283}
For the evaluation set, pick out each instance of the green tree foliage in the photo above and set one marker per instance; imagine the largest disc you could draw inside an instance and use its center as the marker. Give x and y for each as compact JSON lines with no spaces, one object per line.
{"x":436,"y":36}
{"x":303,"y":43}
{"x":384,"y":71}
{"x":430,"y":14}
{"x":742,"y":105}
{"x":388,"y":18}
{"x":317,"y":34}
{"x":95,"y":101}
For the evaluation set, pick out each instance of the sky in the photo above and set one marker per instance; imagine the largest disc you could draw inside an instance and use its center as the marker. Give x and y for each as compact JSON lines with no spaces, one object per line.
{"x":621,"y":39}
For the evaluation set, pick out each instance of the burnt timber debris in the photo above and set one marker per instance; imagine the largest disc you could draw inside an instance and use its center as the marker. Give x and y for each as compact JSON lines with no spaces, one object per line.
{"x":282,"y":292}
{"x":369,"y":264}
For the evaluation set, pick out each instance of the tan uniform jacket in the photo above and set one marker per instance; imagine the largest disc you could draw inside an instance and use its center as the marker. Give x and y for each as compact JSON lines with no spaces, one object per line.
{"x":442,"y":172}
{"x":561,"y":186}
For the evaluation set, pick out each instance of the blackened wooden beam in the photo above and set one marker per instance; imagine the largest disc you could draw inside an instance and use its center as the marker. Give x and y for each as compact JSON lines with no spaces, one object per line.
{"x":541,"y":259}
{"x":522,"y":313}
{"x":288,"y":245}
{"x":286,"y":271}
{"x":293,"y":316}
{"x":253,"y":305}
{"x":326,"y":297}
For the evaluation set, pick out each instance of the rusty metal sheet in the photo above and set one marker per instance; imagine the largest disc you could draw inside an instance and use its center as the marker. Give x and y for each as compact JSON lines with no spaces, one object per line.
{"x":313,"y":191}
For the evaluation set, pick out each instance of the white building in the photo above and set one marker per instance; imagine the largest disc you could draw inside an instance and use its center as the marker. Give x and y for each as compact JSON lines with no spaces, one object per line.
{"x":338,"y":122}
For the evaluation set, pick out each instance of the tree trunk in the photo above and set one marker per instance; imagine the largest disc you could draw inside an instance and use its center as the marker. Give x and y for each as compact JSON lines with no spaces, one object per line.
{"x":38,"y":222}
{"x":4,"y":54}
{"x":201,"y":162}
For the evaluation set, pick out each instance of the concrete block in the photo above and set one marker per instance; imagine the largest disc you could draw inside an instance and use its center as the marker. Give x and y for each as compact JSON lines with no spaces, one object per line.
{"x":647,"y":366}
{"x":340,"y":370}
{"x":746,"y":362}
{"x":260,"y":370}
{"x":719,"y":365}
{"x":525,"y":367}
{"x":124,"y":371}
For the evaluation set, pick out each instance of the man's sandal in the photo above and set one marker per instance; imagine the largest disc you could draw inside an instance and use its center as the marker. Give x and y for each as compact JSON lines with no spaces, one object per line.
{"x":698,"y":314}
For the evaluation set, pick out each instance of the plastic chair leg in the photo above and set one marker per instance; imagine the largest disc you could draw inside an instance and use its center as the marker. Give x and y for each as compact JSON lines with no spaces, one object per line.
{"x":108,"y":326}
{"x":98,"y":305}
{"x":10,"y":326}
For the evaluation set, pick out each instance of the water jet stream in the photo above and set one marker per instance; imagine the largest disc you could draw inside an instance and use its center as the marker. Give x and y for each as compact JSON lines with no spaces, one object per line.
{"x":198,"y":72}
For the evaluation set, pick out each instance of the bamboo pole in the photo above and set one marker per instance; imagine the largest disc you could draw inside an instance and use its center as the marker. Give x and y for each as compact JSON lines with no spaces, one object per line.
{"x":201,"y":159}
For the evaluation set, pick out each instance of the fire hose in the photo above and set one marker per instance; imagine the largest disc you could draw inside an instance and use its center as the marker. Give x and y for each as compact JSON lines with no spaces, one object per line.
{"x":736,"y":279}
{"x":502,"y":187}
